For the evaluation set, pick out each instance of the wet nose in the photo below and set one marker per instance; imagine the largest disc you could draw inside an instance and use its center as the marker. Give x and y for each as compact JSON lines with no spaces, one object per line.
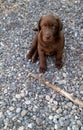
{"x":48,"y":36}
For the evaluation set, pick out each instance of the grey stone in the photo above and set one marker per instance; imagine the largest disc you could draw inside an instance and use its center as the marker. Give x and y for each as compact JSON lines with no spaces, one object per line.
{"x":69,"y":128}
{"x":18,"y":110}
{"x":21,"y":128}
{"x":23,"y":113}
{"x":50,"y":117}
{"x":30,"y":125}
{"x":47,"y":97}
{"x":81,"y":127}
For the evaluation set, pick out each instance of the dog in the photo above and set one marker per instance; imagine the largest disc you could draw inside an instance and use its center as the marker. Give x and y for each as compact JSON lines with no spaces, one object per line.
{"x":48,"y":41}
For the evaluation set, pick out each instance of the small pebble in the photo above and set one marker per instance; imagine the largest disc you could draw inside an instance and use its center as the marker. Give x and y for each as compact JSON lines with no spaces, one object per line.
{"x":69,"y":104}
{"x":69,"y":128}
{"x":81,"y":127}
{"x":28,"y":102}
{"x":18,"y":110}
{"x":11,"y":108}
{"x":59,"y":110}
{"x":1,"y":114}
{"x":23,"y":113}
{"x":56,"y":127}
{"x":50,"y":117}
{"x":30,"y":125}
{"x":47,"y":97}
{"x":21,"y":128}
{"x":18,"y":96}
{"x":5,"y":91}
{"x":64,"y":75}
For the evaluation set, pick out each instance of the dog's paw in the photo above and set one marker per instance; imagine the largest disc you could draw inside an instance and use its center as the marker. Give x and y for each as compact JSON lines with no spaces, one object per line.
{"x":42,"y":69}
{"x":28,"y":56}
{"x":59,"y":65}
{"x":34,"y":59}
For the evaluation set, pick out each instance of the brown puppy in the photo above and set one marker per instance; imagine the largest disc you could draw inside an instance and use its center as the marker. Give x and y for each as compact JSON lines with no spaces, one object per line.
{"x":49,"y":40}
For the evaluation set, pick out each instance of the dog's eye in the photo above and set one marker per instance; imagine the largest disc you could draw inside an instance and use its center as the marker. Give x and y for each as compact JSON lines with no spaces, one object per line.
{"x":53,"y":26}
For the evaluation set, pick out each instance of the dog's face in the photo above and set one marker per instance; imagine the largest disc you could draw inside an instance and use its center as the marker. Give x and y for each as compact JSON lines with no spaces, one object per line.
{"x":49,"y":26}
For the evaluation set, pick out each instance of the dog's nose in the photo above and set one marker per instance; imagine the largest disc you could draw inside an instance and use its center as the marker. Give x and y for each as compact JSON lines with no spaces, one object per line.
{"x":48,"y":36}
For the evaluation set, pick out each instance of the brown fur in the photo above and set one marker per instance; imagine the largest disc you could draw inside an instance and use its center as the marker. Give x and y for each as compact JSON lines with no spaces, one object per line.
{"x":49,"y":40}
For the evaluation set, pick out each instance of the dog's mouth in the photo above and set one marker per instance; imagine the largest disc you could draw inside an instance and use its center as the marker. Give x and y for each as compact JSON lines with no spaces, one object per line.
{"x":48,"y":39}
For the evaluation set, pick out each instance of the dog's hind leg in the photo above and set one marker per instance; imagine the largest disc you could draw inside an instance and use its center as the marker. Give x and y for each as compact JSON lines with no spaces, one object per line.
{"x":33,"y":48}
{"x":35,"y":56}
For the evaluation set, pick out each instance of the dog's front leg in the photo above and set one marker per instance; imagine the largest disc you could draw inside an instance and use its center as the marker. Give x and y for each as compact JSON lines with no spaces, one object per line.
{"x":42,"y":61}
{"x":58,"y":57}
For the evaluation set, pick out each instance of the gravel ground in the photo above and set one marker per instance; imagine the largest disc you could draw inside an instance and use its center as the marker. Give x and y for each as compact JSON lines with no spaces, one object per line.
{"x":24,"y":103}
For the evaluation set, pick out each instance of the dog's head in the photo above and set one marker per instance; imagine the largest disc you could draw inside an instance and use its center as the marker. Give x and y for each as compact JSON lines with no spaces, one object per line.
{"x":49,"y":26}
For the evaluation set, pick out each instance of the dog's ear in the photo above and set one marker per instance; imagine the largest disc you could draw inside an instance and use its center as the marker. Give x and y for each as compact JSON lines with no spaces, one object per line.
{"x":60,"y":24}
{"x":39,"y":26}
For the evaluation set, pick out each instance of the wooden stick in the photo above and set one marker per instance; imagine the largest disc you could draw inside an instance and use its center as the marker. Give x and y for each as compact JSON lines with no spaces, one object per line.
{"x":57,"y":89}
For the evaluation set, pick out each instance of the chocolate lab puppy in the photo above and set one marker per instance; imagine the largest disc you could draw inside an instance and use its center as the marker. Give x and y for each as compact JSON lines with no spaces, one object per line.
{"x":48,"y":41}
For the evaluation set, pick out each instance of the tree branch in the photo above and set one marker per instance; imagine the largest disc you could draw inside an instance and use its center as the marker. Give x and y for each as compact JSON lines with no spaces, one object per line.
{"x":57,"y":89}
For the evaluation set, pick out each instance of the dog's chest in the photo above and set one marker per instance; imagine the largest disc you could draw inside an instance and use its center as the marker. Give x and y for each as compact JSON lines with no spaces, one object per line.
{"x":49,"y":50}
